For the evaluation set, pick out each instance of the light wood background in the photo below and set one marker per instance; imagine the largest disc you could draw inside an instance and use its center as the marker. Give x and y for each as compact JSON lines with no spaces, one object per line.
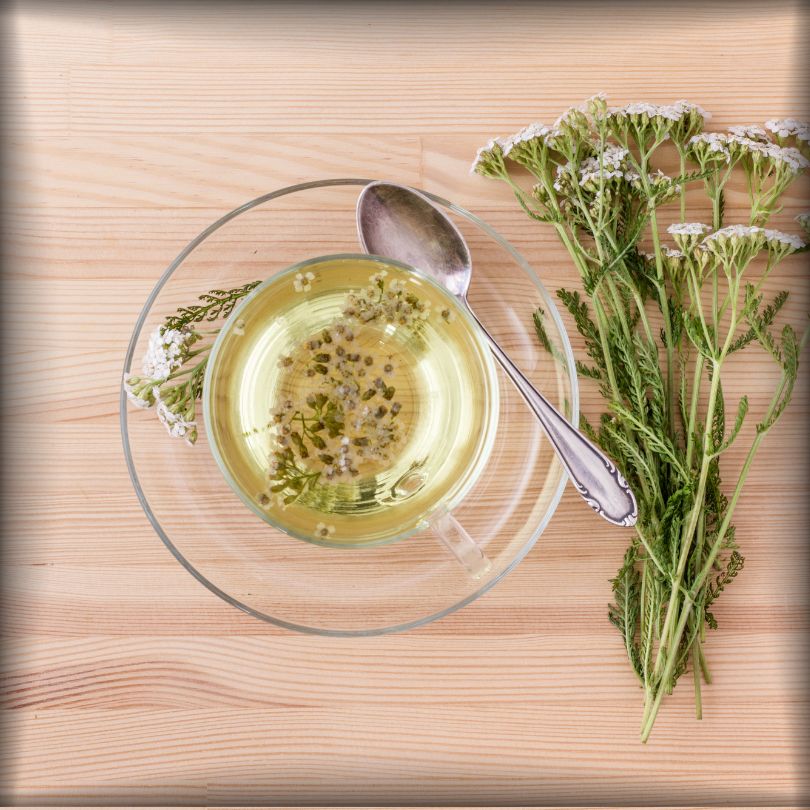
{"x":128,"y":129}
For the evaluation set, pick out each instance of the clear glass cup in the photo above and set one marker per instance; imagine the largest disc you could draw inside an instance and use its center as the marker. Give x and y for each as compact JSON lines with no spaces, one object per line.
{"x":240,"y":393}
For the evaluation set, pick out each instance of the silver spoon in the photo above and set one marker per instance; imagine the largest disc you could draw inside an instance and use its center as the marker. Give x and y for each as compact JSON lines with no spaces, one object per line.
{"x":400,"y":223}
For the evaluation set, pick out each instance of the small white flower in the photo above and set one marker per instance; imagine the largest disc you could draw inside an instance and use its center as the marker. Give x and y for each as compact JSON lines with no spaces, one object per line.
{"x":804,"y":220}
{"x":238,"y":327}
{"x":324,"y":531}
{"x":303,"y":282}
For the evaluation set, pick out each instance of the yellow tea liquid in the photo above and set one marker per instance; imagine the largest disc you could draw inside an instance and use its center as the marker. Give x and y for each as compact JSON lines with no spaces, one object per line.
{"x":348,"y":398}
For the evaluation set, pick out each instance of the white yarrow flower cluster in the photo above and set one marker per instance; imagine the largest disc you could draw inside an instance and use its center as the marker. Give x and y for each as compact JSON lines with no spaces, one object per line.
{"x":139,"y":392}
{"x":166,"y":353}
{"x":563,"y":173}
{"x":598,"y":101}
{"x":684,"y":107}
{"x":688,"y":229}
{"x":749,"y":239}
{"x":749,"y":131}
{"x":487,"y":154}
{"x":681,"y":117}
{"x":167,"y":350}
{"x":734,"y":243}
{"x":571,"y":117}
{"x":650,"y":110}
{"x":788,"y":156}
{"x":177,"y":425}
{"x":609,"y":165}
{"x":710,"y":144}
{"x":783,"y":240}
{"x":789,"y":127}
{"x":529,"y":133}
{"x":734,"y":232}
{"x":688,"y":234}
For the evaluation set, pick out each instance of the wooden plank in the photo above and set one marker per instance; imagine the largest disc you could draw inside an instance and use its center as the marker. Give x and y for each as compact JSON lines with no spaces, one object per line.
{"x":375,"y":753}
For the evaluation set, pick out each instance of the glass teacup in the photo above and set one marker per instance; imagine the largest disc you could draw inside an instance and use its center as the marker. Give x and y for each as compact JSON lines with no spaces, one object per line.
{"x":350,"y":400}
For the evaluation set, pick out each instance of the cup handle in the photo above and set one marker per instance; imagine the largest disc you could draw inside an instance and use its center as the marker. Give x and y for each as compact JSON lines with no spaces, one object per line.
{"x":458,"y":541}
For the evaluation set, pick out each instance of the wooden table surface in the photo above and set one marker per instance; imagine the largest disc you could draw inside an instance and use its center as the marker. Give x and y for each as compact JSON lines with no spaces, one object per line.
{"x":128,"y":129}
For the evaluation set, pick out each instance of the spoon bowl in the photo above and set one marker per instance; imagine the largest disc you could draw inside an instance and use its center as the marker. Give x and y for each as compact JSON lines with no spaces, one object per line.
{"x":395,"y":221}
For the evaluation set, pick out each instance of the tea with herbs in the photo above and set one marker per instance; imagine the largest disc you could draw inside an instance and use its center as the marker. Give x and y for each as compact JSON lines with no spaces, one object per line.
{"x":348,"y":400}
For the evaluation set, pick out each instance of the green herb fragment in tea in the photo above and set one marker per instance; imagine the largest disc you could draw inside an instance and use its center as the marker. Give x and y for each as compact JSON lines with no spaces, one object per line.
{"x":352,"y":401}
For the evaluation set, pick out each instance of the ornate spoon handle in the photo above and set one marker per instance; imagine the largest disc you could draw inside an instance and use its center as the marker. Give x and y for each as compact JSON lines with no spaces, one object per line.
{"x":594,"y":475}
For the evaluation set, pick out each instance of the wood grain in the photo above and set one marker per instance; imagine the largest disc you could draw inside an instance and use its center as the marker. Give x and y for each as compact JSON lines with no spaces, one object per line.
{"x":130,"y":128}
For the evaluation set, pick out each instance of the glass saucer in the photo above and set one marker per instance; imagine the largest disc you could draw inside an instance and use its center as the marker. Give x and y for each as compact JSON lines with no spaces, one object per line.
{"x":363,"y":590}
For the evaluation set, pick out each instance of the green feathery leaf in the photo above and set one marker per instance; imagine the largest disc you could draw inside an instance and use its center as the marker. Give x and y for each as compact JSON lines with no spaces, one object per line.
{"x":216,"y":304}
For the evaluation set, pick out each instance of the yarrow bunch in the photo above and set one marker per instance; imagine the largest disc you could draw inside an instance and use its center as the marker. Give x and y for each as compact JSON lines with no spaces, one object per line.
{"x":173,"y":366}
{"x":658,"y":327}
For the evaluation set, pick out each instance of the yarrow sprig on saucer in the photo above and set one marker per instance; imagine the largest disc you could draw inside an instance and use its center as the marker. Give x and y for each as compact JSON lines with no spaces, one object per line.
{"x":658,"y":323}
{"x":173,"y":366}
